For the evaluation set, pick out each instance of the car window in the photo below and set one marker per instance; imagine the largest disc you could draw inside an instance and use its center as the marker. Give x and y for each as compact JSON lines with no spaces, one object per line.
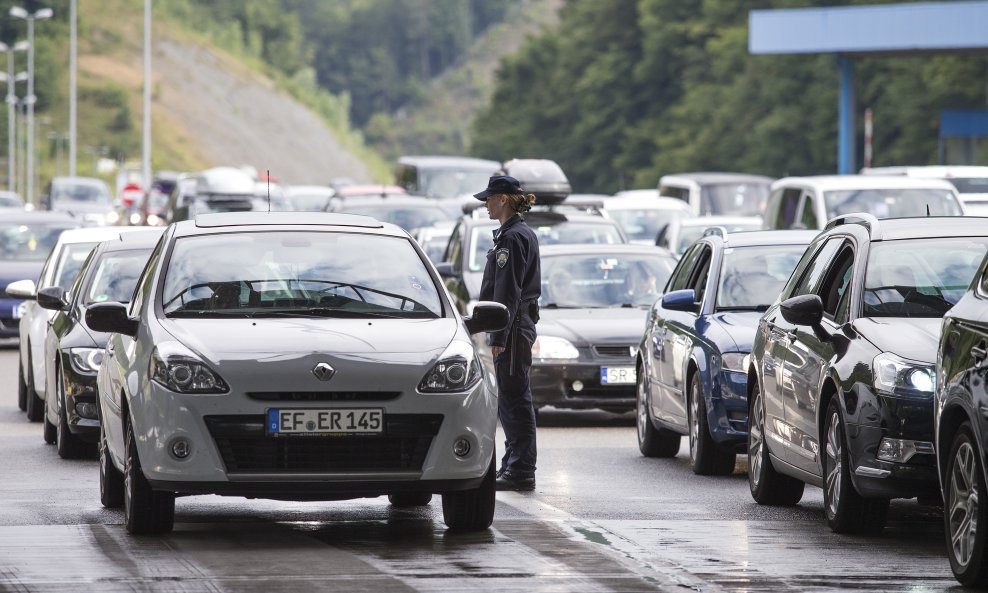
{"x":287,"y":273}
{"x":28,"y":241}
{"x":80,"y":192}
{"x":408,"y":218}
{"x":833,"y":290}
{"x":751,"y":278}
{"x":892,"y":203}
{"x":115,"y":276}
{"x":920,"y":277}
{"x":562,"y":233}
{"x":603,"y":280}
{"x":785,"y":216}
{"x":733,"y":199}
{"x":68,"y":265}
{"x":644,"y":224}
{"x":671,"y":191}
{"x":807,"y":219}
{"x":698,"y":279}
{"x":812,"y":273}
{"x":454,"y":248}
{"x":681,"y":275}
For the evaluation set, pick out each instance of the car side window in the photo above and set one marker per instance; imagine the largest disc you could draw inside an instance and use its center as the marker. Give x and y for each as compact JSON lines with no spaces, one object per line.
{"x":785,"y":217}
{"x":814,"y":272}
{"x":984,"y":283}
{"x":671,"y":191}
{"x":683,"y":272}
{"x":698,"y":282}
{"x":46,"y":272}
{"x":835,"y":289}
{"x":454,"y":249}
{"x":147,"y":277}
{"x":807,"y":219}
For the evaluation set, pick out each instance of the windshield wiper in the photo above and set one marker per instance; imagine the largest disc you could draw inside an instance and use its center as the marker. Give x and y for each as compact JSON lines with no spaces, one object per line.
{"x":739,"y":308}
{"x":344,"y":313}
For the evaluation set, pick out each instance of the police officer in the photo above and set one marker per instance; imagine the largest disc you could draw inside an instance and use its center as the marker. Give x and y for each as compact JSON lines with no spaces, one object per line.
{"x":513,"y":278}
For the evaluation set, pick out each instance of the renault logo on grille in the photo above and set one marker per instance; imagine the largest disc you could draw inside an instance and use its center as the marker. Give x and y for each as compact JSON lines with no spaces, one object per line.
{"x":323,"y":371}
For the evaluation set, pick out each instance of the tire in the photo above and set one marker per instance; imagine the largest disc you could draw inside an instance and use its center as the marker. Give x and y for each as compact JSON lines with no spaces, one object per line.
{"x":145,"y":510}
{"x":652,"y":441}
{"x":706,"y":457}
{"x":21,"y":387}
{"x":768,"y":486}
{"x":471,"y":510}
{"x":965,"y":520}
{"x":50,"y":431}
{"x":69,"y":445}
{"x":111,"y":481}
{"x":410,"y":499}
{"x":845,"y":509}
{"x":35,"y":405}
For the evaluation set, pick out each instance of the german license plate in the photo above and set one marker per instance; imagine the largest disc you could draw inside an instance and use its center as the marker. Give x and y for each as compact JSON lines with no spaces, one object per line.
{"x":335,"y":421}
{"x":617,"y":376}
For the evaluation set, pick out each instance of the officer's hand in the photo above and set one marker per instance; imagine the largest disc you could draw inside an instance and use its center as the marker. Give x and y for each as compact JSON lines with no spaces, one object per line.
{"x":497,"y":350}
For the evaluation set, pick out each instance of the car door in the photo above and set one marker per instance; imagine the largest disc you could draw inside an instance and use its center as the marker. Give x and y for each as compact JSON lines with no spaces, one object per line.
{"x":779,"y":360}
{"x":811,"y":357}
{"x":677,"y":343}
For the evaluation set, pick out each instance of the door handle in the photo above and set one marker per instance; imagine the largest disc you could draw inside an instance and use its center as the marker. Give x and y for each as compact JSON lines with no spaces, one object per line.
{"x":979,"y":352}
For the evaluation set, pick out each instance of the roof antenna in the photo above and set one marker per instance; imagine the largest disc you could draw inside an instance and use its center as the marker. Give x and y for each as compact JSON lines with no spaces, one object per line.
{"x":268,"y":171}
{"x":927,"y":210}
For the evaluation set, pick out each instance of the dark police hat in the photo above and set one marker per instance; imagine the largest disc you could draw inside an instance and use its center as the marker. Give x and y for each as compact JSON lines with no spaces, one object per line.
{"x":500,"y":184}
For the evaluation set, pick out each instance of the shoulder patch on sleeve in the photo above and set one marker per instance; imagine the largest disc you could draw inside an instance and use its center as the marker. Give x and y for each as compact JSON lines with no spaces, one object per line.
{"x":501,"y":256}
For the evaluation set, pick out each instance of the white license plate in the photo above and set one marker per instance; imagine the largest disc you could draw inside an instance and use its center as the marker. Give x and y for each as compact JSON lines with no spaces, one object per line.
{"x":333,"y":421}
{"x":617,"y":376}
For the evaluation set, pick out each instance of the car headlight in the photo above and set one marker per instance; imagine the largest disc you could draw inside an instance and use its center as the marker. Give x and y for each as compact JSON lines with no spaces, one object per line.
{"x":736,"y":362}
{"x":553,"y":348}
{"x":86,"y":361}
{"x":177,"y":368}
{"x":900,"y":376}
{"x":154,"y":220}
{"x":135,"y":218}
{"x":458,"y":370}
{"x":112,"y":217}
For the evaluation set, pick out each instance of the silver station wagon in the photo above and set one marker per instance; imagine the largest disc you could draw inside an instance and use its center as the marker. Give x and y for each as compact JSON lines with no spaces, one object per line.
{"x":294,"y":356}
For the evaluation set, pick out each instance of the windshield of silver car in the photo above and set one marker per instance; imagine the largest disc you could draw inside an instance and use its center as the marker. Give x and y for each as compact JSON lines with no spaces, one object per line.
{"x":892,"y":203}
{"x":603,"y":280}
{"x":920,"y":277}
{"x":298,"y":274}
{"x":752,"y":277}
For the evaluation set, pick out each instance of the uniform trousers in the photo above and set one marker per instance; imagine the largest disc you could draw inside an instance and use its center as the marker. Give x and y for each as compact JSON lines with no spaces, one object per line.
{"x":514,"y":401}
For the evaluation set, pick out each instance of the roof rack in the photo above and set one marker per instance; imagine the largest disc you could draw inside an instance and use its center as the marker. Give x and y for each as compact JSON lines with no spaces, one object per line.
{"x":716,"y":230}
{"x":866,"y":220}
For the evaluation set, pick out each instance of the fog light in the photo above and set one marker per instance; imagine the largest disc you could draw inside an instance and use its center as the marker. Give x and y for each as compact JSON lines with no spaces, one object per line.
{"x":86,"y":410}
{"x":901,"y":450}
{"x":577,"y":385}
{"x":181,"y":448}
{"x":461,"y":448}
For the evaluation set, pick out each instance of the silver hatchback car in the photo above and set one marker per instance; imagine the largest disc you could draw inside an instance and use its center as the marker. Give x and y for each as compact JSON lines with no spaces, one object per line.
{"x":294,"y":356}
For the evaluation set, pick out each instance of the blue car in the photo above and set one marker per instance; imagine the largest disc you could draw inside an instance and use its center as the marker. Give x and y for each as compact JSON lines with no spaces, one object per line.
{"x":692,"y":357}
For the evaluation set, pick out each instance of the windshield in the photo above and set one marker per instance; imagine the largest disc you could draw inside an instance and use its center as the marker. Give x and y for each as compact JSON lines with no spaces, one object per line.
{"x":298,"y":274}
{"x":28,"y":241}
{"x":970,"y":185}
{"x":733,"y":199}
{"x":568,"y":233}
{"x":644,"y":225}
{"x":70,"y":262}
{"x":608,"y":280}
{"x":690,"y":233}
{"x":920,"y":277}
{"x":80,"y":192}
{"x":116,"y":276}
{"x":407,"y":217}
{"x":751,"y":278}
{"x":892,"y":203}
{"x":450,"y":183}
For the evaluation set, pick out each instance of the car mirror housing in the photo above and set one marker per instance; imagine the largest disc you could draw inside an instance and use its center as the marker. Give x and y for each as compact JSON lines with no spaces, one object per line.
{"x":111,"y":318}
{"x":805,"y":309}
{"x":446,"y":270}
{"x":680,"y":300}
{"x":487,"y":316}
{"x":22,"y":289}
{"x":52,"y":298}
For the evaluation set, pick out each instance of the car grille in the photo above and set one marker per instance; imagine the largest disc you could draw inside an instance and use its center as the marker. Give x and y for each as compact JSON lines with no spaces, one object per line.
{"x":324,"y":396}
{"x":613,"y":351}
{"x":245,"y":447}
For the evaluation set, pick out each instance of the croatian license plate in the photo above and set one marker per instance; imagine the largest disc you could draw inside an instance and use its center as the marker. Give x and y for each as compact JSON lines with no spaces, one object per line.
{"x":617,"y":376}
{"x":340,"y":421}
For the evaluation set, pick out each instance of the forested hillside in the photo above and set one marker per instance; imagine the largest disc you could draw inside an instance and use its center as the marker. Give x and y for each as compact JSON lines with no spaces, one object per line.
{"x":624,"y":91}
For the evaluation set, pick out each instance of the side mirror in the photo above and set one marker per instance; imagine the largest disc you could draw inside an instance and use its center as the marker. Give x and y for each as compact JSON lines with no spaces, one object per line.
{"x":805,"y":309}
{"x":487,"y":317}
{"x":446,"y":270}
{"x":111,"y":318}
{"x":52,"y":298}
{"x":22,"y":289}
{"x":680,"y":300}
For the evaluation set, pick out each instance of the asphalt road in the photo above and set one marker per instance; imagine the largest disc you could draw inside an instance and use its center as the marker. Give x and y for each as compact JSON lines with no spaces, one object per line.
{"x":602,"y":518}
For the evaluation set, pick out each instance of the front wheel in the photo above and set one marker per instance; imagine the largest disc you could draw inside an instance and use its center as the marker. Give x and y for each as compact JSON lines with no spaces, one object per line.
{"x":21,"y":387}
{"x":111,"y":481}
{"x":34,"y":404}
{"x":706,"y":457}
{"x":767,"y":485}
{"x":846,"y":510}
{"x":471,"y":510}
{"x":964,"y":519}
{"x":146,"y":510}
{"x":652,"y":441}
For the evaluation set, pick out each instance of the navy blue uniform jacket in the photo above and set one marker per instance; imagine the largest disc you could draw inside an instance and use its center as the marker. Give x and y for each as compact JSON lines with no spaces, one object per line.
{"x":513,"y":276}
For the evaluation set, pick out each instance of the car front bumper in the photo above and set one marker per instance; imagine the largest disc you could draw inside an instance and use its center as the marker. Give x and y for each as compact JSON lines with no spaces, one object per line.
{"x":578,"y":385}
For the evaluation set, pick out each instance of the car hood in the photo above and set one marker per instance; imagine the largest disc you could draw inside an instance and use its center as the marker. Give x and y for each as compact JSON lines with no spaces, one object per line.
{"x":912,"y":338}
{"x":594,"y":326}
{"x":739,"y":327}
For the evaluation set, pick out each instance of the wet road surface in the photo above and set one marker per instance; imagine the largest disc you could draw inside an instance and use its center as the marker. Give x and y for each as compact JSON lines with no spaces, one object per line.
{"x":602,"y":518}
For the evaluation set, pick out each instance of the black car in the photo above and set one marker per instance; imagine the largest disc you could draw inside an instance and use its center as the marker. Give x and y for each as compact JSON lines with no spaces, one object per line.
{"x":73,"y":351}
{"x":961,"y":432}
{"x":840,"y":384}
{"x":594,"y":305}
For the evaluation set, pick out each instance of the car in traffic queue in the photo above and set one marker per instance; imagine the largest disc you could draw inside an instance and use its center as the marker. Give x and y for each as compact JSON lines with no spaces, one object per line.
{"x":309,"y":198}
{"x":643,"y":216}
{"x":692,"y":377}
{"x":443,"y":177}
{"x":293,"y":356}
{"x":681,"y":232}
{"x":970,"y":181}
{"x":592,"y":309}
{"x":60,"y":269}
{"x":841,"y":375}
{"x":408,"y":212}
{"x":152,"y":207}
{"x":72,"y":351}
{"x":961,"y":435}
{"x":219,"y":189}
{"x":10,"y":200}
{"x":88,"y":198}
{"x":718,"y":193}
{"x":809,"y":202}
{"x":434,"y":238}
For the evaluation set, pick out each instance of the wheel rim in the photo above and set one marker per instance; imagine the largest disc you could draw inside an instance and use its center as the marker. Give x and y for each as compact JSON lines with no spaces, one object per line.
{"x":642,"y":409}
{"x":834,"y":464}
{"x":756,"y":441}
{"x":128,"y":478}
{"x":963,"y":504}
{"x":694,"y":421}
{"x":59,"y":410}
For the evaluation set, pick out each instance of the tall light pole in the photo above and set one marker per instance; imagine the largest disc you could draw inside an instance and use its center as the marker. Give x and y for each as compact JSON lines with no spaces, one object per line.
{"x":12,"y":79}
{"x":146,"y":150}
{"x":40,"y":14}
{"x":73,"y":36}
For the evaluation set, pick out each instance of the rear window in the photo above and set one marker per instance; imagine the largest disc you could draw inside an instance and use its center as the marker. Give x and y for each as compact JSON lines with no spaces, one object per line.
{"x":892,"y":203}
{"x":733,"y":199}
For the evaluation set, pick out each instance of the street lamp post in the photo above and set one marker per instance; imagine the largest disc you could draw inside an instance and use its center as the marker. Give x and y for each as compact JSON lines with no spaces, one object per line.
{"x":40,"y":14}
{"x":11,"y":80}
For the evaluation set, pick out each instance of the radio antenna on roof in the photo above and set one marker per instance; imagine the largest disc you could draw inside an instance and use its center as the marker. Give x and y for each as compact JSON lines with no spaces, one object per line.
{"x":268,"y":171}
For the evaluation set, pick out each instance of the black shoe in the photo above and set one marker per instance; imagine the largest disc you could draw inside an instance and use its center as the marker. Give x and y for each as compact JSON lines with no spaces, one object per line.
{"x":508,"y":481}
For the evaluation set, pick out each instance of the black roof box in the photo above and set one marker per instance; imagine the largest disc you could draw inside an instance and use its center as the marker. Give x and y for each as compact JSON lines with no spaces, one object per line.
{"x":541,"y":177}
